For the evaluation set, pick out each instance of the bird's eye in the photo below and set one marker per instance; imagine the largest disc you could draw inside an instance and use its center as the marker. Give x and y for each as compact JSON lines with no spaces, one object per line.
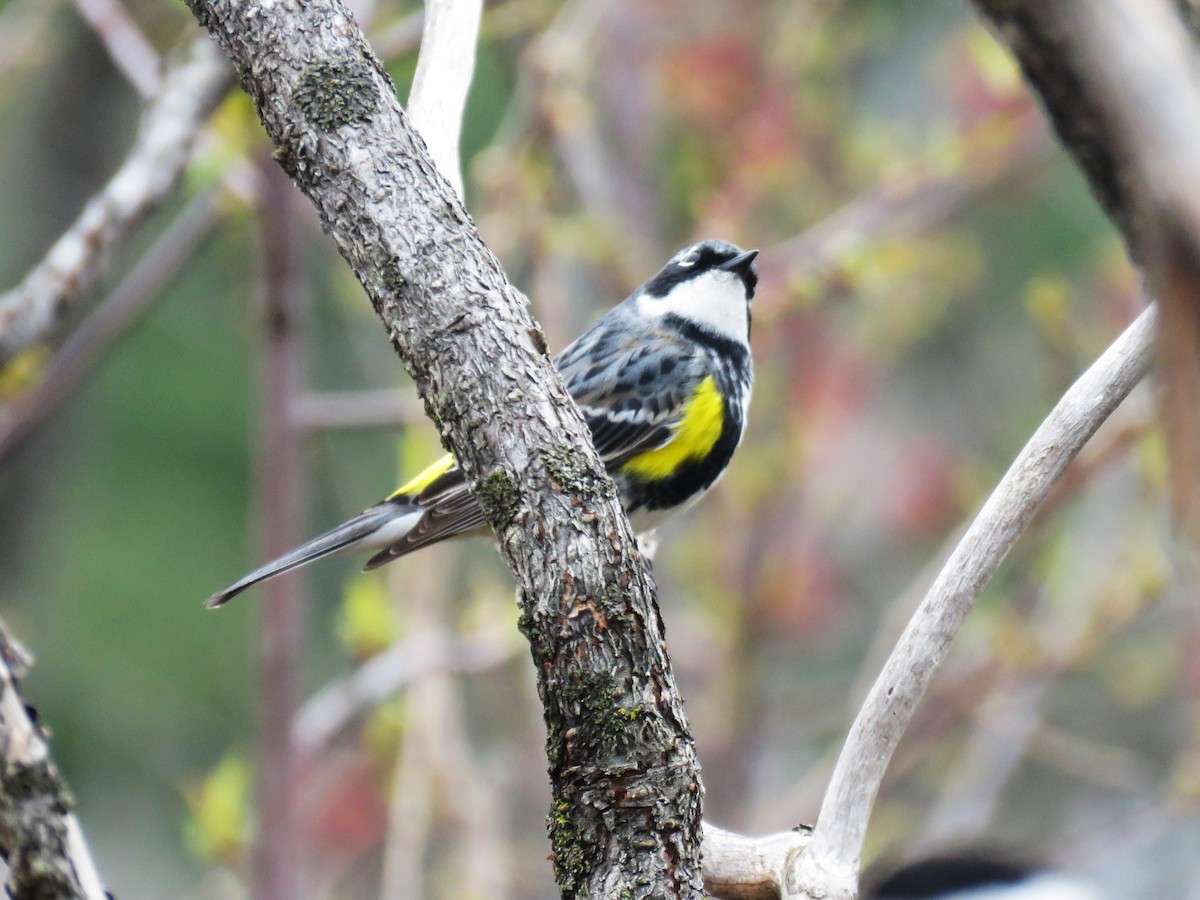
{"x":689,"y":259}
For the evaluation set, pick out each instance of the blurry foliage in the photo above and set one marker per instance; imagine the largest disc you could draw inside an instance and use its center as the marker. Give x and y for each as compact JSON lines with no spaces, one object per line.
{"x":218,"y":830}
{"x":899,"y":370}
{"x":366,"y":623}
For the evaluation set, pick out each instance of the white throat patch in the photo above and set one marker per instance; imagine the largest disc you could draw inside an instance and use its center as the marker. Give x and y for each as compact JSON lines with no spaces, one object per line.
{"x":716,"y":299}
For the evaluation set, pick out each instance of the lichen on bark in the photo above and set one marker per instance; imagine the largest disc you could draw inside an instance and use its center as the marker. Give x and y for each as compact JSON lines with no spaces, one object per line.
{"x":336,"y":92}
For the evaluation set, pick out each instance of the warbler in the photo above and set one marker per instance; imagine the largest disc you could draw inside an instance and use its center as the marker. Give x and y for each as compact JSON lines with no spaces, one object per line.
{"x":663,"y":381}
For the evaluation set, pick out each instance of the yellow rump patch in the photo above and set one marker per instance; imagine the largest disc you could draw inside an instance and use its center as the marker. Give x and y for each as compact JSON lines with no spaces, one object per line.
{"x":694,"y":437}
{"x":426,"y":478}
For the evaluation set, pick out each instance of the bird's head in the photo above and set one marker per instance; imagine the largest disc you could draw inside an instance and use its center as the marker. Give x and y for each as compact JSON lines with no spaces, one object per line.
{"x":710,"y":284}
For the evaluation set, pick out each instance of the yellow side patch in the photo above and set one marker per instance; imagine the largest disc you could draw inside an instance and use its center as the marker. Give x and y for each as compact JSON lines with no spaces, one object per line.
{"x":694,"y":437}
{"x":426,"y":478}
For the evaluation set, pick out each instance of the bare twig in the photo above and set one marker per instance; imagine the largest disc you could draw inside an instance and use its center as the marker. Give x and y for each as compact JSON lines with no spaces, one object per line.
{"x":43,"y":843}
{"x":444,"y":69}
{"x":23,"y":24}
{"x":333,"y":710}
{"x":128,"y":48}
{"x":280,"y":478}
{"x":402,"y":36}
{"x":190,"y":91}
{"x":120,"y":311}
{"x":386,"y":407}
{"x":832,"y":860}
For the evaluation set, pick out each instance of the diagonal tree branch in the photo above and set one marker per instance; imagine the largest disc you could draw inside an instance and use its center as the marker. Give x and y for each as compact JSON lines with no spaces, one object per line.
{"x":190,"y":91}
{"x":828,"y":866}
{"x":626,"y":814}
{"x":832,"y":859}
{"x":128,"y":48}
{"x":112,"y":319}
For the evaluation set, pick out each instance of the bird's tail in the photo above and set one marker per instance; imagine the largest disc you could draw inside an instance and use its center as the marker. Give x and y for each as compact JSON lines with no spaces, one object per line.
{"x":373,"y":529}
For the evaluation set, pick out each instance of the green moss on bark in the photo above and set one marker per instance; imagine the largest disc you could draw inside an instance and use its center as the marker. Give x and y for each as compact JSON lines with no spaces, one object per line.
{"x":500,"y":500}
{"x":574,"y":857}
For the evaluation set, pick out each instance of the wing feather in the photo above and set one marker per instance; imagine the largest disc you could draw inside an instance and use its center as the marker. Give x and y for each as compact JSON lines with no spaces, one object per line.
{"x":632,"y":384}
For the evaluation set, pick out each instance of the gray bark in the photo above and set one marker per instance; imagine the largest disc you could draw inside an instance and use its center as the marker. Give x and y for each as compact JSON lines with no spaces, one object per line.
{"x":625,"y":819}
{"x":40,"y":837}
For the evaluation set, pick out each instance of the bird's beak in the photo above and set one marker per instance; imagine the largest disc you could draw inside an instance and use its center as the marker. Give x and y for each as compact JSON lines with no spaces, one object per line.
{"x":741,"y":263}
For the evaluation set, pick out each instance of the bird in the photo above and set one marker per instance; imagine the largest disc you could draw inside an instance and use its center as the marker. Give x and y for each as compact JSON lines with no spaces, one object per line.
{"x":663,"y":381}
{"x":977,"y":876}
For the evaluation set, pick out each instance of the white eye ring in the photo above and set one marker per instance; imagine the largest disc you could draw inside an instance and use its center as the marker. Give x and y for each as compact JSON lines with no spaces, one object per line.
{"x":689,"y":259}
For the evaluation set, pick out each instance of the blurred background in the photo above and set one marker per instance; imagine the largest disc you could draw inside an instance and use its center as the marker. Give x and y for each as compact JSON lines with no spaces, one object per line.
{"x":934,"y":275}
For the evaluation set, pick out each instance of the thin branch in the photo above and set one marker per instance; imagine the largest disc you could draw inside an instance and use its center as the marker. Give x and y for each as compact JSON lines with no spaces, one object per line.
{"x":439,"y":89}
{"x":113,"y":318}
{"x":279,"y":495}
{"x":332,"y":712}
{"x":897,"y":208}
{"x":128,"y":48}
{"x":832,"y":860}
{"x":41,"y":838}
{"x":383,"y":408}
{"x":191,"y":90}
{"x":737,"y":867}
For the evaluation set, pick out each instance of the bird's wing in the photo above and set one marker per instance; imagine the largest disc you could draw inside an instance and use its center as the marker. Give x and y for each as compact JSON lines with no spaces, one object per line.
{"x":631,"y":387}
{"x":448,"y":509}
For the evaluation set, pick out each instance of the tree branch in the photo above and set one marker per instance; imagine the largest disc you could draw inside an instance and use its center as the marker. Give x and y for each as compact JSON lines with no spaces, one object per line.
{"x":128,"y":48}
{"x":41,"y":838}
{"x":333,"y":709}
{"x":1120,"y":80}
{"x":832,"y":860}
{"x":827,"y":866}
{"x":737,"y":867}
{"x":439,"y":89}
{"x":112,"y":319}
{"x":622,"y":764}
{"x":190,"y":91}
{"x":279,"y":500}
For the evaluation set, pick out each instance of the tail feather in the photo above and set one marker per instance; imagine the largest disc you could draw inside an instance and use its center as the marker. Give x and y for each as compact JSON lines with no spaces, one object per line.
{"x":376,"y":527}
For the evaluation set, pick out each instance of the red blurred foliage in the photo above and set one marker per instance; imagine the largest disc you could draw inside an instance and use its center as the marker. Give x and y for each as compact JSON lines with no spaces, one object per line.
{"x":711,"y":83}
{"x":923,"y":498}
{"x":344,"y":813}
